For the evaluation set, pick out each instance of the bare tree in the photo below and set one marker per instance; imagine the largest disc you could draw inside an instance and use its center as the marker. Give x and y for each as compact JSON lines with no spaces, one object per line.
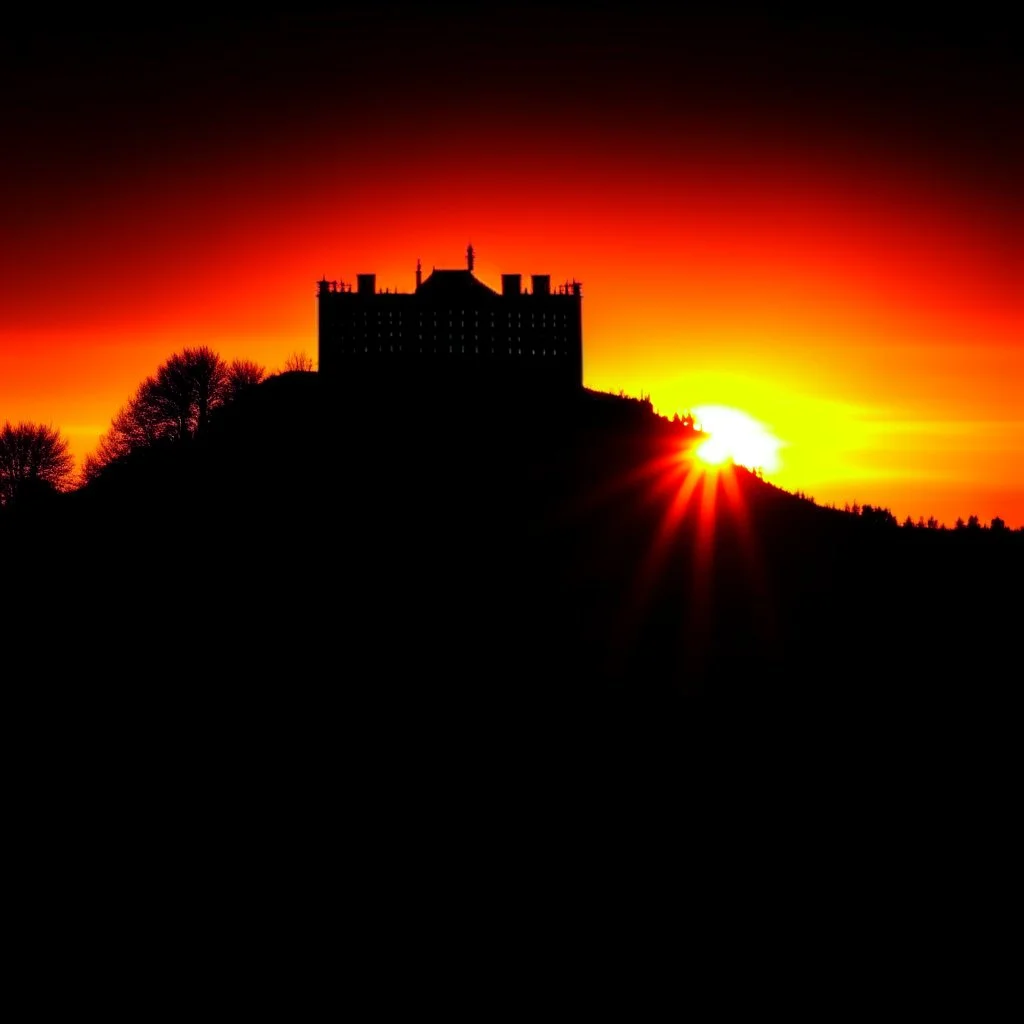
{"x":189,"y":386}
{"x":32,"y":454}
{"x":142,"y":423}
{"x":299,"y":361}
{"x":171,"y":407}
{"x":242,"y":375}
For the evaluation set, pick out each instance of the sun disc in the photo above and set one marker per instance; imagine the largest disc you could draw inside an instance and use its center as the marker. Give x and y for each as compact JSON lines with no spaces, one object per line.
{"x":736,"y":436}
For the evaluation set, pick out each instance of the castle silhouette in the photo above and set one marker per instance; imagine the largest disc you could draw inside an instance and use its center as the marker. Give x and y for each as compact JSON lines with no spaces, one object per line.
{"x":453,"y":331}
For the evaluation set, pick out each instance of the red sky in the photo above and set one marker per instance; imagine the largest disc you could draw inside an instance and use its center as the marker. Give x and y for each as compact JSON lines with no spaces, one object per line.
{"x":819,"y":222}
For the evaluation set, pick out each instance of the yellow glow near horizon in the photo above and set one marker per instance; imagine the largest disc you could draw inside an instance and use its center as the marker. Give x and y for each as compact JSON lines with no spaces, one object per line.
{"x":738,"y":437}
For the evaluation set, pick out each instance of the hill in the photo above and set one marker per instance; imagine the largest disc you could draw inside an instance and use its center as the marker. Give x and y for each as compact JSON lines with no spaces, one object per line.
{"x":453,"y":552}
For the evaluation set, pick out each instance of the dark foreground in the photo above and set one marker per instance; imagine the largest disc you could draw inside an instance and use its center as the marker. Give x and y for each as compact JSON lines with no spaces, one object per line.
{"x":317,"y":552}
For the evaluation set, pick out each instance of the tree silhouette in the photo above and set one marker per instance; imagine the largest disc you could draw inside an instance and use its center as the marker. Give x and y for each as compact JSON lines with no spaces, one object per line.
{"x":189,"y":385}
{"x":242,"y":375}
{"x":877,"y":515}
{"x":299,"y":361}
{"x":142,"y":423}
{"x":174,"y":405}
{"x":32,"y":455}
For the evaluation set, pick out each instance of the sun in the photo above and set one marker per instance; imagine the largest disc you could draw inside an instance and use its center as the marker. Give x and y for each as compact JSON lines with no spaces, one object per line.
{"x":737,"y":437}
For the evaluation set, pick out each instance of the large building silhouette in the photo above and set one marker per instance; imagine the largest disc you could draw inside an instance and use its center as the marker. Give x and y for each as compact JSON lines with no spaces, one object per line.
{"x":453,"y":331}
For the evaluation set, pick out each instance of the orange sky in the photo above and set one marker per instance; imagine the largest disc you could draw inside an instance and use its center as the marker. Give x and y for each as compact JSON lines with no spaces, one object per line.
{"x":848,"y":269}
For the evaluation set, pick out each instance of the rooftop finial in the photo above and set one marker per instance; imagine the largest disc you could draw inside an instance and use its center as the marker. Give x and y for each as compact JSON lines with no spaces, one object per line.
{"x":469,"y":256}
{"x":419,"y":274}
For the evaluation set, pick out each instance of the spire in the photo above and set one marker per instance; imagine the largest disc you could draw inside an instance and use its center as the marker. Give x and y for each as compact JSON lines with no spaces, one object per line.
{"x":469,"y":256}
{"x":419,"y":274}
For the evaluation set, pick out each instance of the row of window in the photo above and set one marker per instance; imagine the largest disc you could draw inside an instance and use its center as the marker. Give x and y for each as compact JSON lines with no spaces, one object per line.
{"x":451,"y":312}
{"x":476,"y":322}
{"x":366,"y":335}
{"x":452,"y":351}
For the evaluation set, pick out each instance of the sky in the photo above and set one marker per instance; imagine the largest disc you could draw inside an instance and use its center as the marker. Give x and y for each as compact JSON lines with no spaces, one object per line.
{"x":816,"y":219}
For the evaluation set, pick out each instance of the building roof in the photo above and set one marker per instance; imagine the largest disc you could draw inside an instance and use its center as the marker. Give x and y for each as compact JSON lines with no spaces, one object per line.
{"x":454,"y":283}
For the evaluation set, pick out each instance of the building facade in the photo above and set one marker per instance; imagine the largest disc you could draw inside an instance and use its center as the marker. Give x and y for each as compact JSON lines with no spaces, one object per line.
{"x":453,"y":330}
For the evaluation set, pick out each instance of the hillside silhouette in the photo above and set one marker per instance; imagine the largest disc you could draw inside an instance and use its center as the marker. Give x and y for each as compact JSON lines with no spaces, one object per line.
{"x":444,"y":549}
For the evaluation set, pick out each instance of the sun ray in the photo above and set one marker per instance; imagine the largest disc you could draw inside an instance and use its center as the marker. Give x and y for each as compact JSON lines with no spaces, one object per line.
{"x":702,"y":517}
